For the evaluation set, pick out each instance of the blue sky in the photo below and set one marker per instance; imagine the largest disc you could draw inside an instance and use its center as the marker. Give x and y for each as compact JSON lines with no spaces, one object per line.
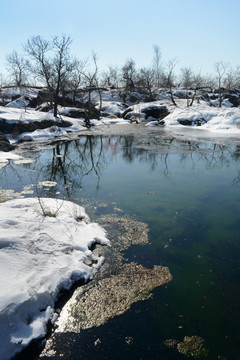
{"x":197,"y":33}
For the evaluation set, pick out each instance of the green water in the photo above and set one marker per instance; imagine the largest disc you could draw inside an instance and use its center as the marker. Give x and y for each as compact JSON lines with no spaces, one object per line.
{"x":188,"y":194}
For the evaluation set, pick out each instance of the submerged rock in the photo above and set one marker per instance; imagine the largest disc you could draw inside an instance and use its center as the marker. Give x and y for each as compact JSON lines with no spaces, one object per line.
{"x":94,"y":305}
{"x":124,"y":231}
{"x":193,"y":346}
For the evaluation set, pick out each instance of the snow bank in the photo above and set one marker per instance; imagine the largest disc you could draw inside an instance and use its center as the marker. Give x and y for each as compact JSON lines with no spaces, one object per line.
{"x":113,"y":107}
{"x":223,"y":119}
{"x":13,"y":115}
{"x":5,"y":156}
{"x":19,"y":103}
{"x":39,"y":255}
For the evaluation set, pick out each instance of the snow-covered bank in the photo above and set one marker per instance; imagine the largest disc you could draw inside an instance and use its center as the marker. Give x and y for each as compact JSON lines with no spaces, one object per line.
{"x":224,"y":120}
{"x":16,"y":116}
{"x":39,"y":255}
{"x":202,"y":116}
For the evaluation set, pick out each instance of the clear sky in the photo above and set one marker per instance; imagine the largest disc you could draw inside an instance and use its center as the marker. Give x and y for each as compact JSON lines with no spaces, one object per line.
{"x":198,"y":33}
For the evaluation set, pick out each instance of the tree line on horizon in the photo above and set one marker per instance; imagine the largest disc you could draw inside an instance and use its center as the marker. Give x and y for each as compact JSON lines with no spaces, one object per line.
{"x":49,"y":64}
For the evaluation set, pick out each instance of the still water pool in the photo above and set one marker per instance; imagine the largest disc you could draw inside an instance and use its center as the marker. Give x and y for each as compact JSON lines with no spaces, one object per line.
{"x":188,"y":192}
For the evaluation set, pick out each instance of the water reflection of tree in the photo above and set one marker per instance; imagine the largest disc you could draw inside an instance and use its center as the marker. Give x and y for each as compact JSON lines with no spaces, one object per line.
{"x":72,"y":161}
{"x":70,"y":164}
{"x":156,"y":153}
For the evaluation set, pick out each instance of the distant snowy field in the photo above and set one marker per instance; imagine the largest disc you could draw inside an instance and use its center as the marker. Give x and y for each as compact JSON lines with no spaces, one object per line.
{"x":39,"y":256}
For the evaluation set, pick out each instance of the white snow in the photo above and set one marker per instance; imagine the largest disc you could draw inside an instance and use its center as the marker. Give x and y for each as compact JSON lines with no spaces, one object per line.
{"x":223,"y":119}
{"x":112,"y":107}
{"x":18,"y":103}
{"x":5,"y":156}
{"x":39,"y":255}
{"x":15,"y":115}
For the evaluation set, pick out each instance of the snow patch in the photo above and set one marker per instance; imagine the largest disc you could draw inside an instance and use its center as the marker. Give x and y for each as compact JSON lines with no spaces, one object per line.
{"x":40,"y":255}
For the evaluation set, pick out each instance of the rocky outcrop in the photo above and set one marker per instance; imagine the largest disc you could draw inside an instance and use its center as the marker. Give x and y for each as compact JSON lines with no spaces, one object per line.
{"x":155,"y":111}
{"x":86,"y":111}
{"x":128,"y":110}
{"x":134,"y":116}
{"x":5,"y":144}
{"x":19,"y":127}
{"x":190,"y":122}
{"x":234,"y":99}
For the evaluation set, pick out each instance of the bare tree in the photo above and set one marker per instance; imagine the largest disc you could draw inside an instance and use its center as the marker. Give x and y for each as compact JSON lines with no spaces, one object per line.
{"x":221,"y":69}
{"x":146,"y":81}
{"x":232,"y":79}
{"x":3,"y":96}
{"x":91,"y":81}
{"x":111,"y":77}
{"x":76,"y":78}
{"x":187,"y":80}
{"x":62,"y":65}
{"x":38,"y":49}
{"x":51,"y":63}
{"x":197,"y":83}
{"x":17,"y":67}
{"x":157,"y":64}
{"x":128,"y":75}
{"x":170,"y":77}
{"x":191,"y":83}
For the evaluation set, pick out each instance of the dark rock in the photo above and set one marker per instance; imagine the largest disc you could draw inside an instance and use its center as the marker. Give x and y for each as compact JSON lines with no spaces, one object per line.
{"x":5,"y":144}
{"x":84,"y":110}
{"x":15,"y":97}
{"x":155,"y":111}
{"x":45,"y":97}
{"x":42,"y":97}
{"x":19,"y":127}
{"x":213,"y":96}
{"x":110,"y":115}
{"x":197,"y":122}
{"x":129,"y":109}
{"x":91,"y":112}
{"x":133,"y":116}
{"x":161,"y":123}
{"x":235,"y":100}
{"x":132,"y":98}
{"x":76,"y":113}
